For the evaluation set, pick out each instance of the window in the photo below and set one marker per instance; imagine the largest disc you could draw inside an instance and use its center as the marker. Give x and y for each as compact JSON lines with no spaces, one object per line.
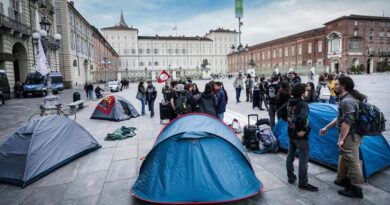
{"x":355,"y":45}
{"x":148,"y":51}
{"x":155,"y":51}
{"x":274,"y":54}
{"x":177,"y":51}
{"x":269,"y":54}
{"x":293,"y":50}
{"x":300,"y":49}
{"x":140,"y":51}
{"x":150,"y":63}
{"x":381,"y":34}
{"x":126,"y":51}
{"x":141,"y":63}
{"x":309,"y":48}
{"x":74,"y":63}
{"x":183,"y":51}
{"x":132,"y":51}
{"x":319,"y":46}
{"x":156,"y":63}
{"x":280,"y":52}
{"x":286,"y":51}
{"x":262,"y":55}
{"x":170,"y":51}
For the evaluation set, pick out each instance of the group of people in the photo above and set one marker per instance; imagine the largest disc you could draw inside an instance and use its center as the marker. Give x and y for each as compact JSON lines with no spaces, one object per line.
{"x":88,"y":88}
{"x":184,"y":97}
{"x":287,"y":97}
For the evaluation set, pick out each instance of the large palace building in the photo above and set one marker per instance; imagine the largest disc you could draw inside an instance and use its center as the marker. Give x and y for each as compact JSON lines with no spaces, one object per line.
{"x":180,"y":53}
{"x":343,"y":43}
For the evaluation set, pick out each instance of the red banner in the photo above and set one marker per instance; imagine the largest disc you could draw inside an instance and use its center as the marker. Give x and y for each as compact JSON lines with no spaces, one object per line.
{"x":164,"y":76}
{"x":106,"y":104}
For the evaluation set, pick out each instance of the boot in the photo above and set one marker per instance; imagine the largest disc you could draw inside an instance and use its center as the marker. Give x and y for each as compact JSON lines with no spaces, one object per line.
{"x":352,"y":191}
{"x":344,"y":182}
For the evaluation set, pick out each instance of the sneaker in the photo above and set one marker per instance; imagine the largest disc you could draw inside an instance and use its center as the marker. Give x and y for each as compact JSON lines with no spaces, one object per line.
{"x":352,"y":191}
{"x":343,"y":182}
{"x":308,"y":187}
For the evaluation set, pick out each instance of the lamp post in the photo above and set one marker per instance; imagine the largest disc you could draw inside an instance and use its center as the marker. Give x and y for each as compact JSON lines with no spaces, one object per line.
{"x":239,"y":50}
{"x":105,"y":62}
{"x":49,"y":44}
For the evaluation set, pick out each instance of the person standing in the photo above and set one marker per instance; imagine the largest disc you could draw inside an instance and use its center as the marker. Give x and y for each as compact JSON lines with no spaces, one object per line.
{"x":298,"y":133}
{"x":332,"y":83}
{"x":263,"y":91}
{"x":248,"y":88}
{"x":90,"y":90}
{"x":166,"y":91}
{"x":310,"y":94}
{"x":142,"y":91}
{"x":208,"y":102}
{"x":238,"y":85}
{"x":322,"y":90}
{"x":151,"y":94}
{"x":221,"y":100}
{"x":272,"y":92}
{"x":282,"y":99}
{"x":349,"y":171}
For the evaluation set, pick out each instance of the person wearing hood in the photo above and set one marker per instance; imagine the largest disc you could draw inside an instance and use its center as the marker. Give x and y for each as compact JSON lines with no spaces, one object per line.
{"x":208,"y":102}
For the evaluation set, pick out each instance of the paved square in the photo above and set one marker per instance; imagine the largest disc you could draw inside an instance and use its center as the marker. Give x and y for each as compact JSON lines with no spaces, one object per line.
{"x":106,"y":175}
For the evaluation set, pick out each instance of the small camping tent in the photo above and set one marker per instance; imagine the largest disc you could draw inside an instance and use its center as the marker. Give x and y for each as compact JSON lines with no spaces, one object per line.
{"x":374,"y":150}
{"x":115,"y":108}
{"x":40,"y":147}
{"x":196,"y":158}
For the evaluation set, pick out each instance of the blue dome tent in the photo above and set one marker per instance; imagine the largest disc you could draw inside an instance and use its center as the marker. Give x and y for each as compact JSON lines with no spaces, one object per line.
{"x":196,"y":159}
{"x":374,"y":150}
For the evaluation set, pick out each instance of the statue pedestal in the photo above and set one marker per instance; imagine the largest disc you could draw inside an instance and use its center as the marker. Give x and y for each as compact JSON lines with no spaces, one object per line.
{"x":205,"y":75}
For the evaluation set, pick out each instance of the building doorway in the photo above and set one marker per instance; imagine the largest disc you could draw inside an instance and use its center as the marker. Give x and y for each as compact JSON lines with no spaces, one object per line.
{"x":368,"y":65}
{"x":336,"y":67}
{"x":20,"y":62}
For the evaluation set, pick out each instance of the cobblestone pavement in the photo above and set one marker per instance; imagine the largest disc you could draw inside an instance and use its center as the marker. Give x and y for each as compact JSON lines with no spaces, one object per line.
{"x":105,"y":176}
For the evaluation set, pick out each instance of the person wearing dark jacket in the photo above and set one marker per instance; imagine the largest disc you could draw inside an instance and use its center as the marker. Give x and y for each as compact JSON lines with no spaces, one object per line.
{"x":272,"y":92}
{"x":282,"y":99}
{"x":98,"y":92}
{"x":310,"y":94}
{"x":141,"y":89}
{"x":298,"y":133}
{"x":151,"y":94}
{"x":263,"y":91}
{"x":221,"y":100}
{"x":207,"y":101}
{"x":293,"y":78}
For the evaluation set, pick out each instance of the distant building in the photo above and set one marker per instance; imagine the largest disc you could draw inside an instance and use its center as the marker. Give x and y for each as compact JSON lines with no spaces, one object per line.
{"x":83,"y":48}
{"x":345,"y":42}
{"x":180,"y":53}
{"x":18,"y":20}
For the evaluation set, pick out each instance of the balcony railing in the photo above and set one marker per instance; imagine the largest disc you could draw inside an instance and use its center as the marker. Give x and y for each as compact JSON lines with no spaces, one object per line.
{"x":384,"y":54}
{"x":15,"y":25}
{"x":46,"y":4}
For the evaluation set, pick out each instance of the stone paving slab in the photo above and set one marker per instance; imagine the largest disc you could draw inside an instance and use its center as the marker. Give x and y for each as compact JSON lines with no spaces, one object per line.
{"x":105,"y":176}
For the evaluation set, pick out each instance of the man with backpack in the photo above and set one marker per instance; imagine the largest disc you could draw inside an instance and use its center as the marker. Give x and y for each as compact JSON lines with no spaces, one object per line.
{"x":298,"y":133}
{"x":151,"y":94}
{"x":349,"y":171}
{"x":323,"y":90}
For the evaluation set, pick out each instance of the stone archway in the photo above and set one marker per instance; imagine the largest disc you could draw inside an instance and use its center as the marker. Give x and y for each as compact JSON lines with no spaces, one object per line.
{"x":20,"y":62}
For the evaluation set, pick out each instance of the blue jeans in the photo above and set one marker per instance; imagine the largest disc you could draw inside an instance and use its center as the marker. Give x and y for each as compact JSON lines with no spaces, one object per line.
{"x":143,"y":100}
{"x":332,"y":100}
{"x":151,"y":106}
{"x":304,"y":150}
{"x":238,"y":93}
{"x":220,"y":115}
{"x":90,"y":94}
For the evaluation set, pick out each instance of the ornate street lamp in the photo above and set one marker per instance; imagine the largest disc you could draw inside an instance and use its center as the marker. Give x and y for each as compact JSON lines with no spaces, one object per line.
{"x":105,"y":62}
{"x":50,"y":101}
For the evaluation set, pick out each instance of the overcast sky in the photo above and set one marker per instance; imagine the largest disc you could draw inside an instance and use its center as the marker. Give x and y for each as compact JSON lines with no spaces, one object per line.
{"x":263,"y":20}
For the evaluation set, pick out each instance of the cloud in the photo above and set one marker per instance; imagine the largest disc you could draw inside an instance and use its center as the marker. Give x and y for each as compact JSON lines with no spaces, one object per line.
{"x":263,"y":20}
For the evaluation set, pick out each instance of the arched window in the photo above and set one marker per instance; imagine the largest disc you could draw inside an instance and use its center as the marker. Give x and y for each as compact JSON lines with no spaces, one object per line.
{"x":74,"y":63}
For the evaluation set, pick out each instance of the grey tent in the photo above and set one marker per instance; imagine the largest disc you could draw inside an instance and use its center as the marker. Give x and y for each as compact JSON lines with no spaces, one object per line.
{"x":40,"y":147}
{"x":115,"y":108}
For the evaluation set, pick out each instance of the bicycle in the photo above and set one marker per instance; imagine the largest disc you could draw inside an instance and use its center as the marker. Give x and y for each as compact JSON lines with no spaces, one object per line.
{"x":70,"y":114}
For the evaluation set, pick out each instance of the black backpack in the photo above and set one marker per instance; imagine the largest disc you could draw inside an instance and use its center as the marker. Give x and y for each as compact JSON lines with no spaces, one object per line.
{"x":181,"y":103}
{"x":370,"y":120}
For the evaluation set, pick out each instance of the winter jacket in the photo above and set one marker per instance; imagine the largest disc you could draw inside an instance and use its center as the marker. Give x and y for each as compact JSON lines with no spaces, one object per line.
{"x":208,"y":104}
{"x":298,"y":113}
{"x":221,"y":101}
